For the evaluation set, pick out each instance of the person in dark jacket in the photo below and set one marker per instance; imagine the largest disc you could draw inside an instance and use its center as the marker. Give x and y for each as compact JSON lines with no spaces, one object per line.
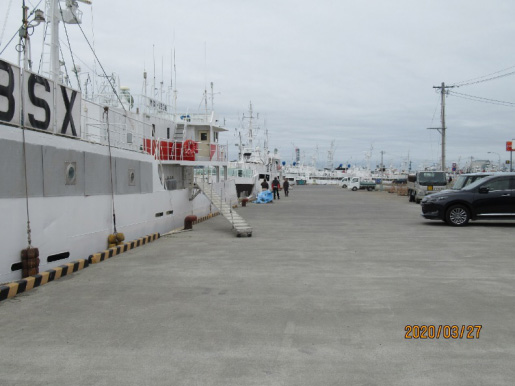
{"x":286,"y":186}
{"x":276,"y":187}
{"x":264,"y":185}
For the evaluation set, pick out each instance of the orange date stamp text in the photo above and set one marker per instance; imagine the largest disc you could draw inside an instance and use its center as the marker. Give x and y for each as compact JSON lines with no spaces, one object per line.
{"x":444,"y":331}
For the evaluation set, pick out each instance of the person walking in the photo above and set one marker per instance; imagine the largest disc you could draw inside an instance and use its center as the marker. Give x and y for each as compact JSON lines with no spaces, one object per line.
{"x":286,"y":186}
{"x":275,"y":188}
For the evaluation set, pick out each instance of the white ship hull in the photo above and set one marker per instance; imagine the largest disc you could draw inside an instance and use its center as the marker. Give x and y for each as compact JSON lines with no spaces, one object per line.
{"x":78,"y":225}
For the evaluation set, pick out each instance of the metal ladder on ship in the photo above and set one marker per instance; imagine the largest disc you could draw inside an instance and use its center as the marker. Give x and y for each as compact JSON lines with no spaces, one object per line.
{"x":239,"y":224}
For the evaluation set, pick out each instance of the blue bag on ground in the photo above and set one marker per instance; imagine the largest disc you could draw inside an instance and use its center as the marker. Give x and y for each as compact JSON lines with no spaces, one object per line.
{"x":264,"y":197}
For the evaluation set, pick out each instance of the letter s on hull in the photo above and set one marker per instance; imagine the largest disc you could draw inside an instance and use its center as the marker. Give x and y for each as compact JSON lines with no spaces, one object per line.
{"x":39,"y":104}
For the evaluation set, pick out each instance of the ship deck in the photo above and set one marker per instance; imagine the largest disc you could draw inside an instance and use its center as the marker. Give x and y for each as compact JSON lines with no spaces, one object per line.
{"x":321,"y":294}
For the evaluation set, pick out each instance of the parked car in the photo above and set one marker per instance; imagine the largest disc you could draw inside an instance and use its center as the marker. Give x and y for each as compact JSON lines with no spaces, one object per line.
{"x":463,"y":180}
{"x":492,"y":197}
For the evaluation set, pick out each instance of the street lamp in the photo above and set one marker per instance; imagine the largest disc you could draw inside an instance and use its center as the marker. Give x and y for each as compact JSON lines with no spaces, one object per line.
{"x":498,"y":155}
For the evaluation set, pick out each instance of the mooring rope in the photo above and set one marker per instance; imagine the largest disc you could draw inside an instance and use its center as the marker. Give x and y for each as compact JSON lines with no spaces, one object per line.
{"x":29,"y":232}
{"x":106,"y":116}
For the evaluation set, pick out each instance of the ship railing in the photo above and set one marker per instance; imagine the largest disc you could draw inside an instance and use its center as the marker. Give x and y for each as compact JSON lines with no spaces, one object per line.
{"x":121,"y":130}
{"x":154,"y":106}
{"x":169,"y":150}
{"x":208,"y":175}
{"x":240,"y":172}
{"x":219,"y":152}
{"x":114,"y":128}
{"x":211,"y":152}
{"x":166,"y":150}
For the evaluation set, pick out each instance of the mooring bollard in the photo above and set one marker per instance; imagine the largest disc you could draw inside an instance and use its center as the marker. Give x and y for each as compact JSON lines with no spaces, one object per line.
{"x":188,"y":221}
{"x":244,"y":202}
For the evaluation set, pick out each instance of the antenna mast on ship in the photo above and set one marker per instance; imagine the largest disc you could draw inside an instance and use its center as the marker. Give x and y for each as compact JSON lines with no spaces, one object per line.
{"x":175,"y":85}
{"x":314,"y":158}
{"x":250,"y":130}
{"x":25,"y":35}
{"x":267,"y":159}
{"x":54,"y":39}
{"x":368,"y":156}
{"x":68,"y":15}
{"x":330,"y":157}
{"x":212,"y":97}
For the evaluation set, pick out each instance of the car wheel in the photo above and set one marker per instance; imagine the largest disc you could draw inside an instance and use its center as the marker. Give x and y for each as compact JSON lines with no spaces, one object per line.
{"x":344,"y":186}
{"x":457,"y":215}
{"x":354,"y":189}
{"x":369,"y":189}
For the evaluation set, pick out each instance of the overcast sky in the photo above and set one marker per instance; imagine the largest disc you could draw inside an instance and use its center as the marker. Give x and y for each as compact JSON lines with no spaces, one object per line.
{"x":358,"y":72}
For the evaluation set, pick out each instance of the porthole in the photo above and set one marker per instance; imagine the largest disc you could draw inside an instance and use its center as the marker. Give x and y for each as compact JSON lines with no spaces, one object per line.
{"x":71,"y":173}
{"x":132,"y":177}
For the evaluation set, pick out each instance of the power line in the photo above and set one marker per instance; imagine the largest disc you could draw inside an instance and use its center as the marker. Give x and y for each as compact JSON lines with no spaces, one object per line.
{"x":485,"y":80}
{"x":480,"y":79}
{"x":481,"y":99}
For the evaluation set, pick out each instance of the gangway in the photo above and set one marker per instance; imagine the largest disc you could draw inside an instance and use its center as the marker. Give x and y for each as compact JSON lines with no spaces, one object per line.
{"x":239,"y":224}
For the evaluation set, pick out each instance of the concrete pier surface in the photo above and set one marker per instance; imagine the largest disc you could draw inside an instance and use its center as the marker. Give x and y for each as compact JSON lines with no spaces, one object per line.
{"x":321,"y":294}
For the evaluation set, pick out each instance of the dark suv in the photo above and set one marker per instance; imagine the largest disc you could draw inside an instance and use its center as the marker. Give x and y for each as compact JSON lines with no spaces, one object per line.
{"x":491,"y":197}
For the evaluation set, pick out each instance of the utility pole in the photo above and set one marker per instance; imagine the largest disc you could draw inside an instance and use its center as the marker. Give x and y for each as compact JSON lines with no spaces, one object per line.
{"x":442,"y":129}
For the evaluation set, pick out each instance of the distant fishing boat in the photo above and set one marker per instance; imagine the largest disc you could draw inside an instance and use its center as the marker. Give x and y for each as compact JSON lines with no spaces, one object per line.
{"x":254,"y":163}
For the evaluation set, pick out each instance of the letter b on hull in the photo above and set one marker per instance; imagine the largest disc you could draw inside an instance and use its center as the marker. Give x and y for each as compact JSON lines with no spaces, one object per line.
{"x":9,"y":93}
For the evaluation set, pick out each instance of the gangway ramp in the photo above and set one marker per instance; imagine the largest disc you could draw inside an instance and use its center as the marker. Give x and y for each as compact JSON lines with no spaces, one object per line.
{"x":239,"y":224}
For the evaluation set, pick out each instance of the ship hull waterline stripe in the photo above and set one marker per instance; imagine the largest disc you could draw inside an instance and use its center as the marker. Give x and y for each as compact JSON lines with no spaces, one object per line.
{"x":12,"y":289}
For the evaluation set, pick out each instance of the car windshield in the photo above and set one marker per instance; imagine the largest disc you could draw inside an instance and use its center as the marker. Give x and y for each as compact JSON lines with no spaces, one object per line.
{"x":475,"y":184}
{"x":464,"y":181}
{"x":432,"y":178}
{"x":460,"y":183}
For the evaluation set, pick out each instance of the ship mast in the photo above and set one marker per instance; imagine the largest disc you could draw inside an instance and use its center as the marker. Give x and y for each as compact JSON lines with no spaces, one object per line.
{"x":250,"y":130}
{"x":24,"y":35}
{"x":330,"y":157}
{"x":54,"y":42}
{"x":70,"y":14}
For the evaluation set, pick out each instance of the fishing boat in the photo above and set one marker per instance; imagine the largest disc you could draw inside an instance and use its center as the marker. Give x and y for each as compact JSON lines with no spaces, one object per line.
{"x":78,"y":166}
{"x":254,"y":163}
{"x":299,"y":173}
